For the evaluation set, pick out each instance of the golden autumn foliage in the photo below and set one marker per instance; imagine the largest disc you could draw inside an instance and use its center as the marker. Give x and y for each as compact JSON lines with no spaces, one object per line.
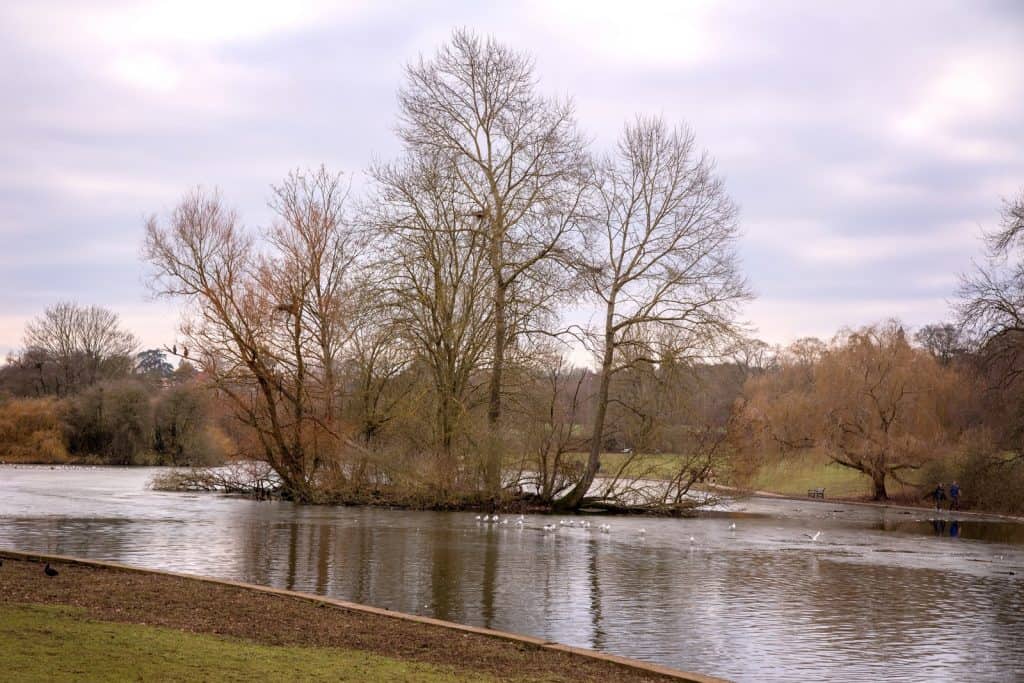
{"x":31,"y":431}
{"x":870,"y":400}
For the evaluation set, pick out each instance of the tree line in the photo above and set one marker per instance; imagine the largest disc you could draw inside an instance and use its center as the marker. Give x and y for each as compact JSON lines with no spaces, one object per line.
{"x":80,"y":390}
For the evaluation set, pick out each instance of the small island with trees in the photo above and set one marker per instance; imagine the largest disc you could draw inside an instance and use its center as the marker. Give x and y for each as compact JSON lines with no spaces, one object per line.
{"x":503,"y":318}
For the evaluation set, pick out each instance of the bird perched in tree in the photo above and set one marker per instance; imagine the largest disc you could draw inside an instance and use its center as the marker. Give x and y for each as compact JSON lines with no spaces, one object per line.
{"x":184,"y":352}
{"x":50,"y":571}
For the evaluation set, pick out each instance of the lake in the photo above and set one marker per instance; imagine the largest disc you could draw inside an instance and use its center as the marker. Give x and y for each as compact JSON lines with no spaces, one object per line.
{"x":883,"y":593}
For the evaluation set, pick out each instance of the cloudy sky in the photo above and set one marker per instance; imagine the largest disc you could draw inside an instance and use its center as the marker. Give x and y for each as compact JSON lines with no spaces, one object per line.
{"x":867,"y":143}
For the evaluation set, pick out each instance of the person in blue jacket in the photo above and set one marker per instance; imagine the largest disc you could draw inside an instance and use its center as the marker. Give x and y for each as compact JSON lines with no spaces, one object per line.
{"x":954,"y":496}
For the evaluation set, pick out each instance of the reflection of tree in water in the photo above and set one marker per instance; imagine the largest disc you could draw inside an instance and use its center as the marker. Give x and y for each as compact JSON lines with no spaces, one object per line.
{"x":597,"y":637}
{"x":446,"y":570}
{"x":487,"y":586}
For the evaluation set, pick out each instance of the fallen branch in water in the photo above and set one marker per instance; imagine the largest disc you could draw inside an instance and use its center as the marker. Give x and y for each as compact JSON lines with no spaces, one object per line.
{"x":249,"y":478}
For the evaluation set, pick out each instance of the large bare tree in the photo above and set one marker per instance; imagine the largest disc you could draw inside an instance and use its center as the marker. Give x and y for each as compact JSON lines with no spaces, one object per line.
{"x":267,"y":319}
{"x":82,"y":340}
{"x":661,"y":261}
{"x":435,"y":281}
{"x":518,"y":165}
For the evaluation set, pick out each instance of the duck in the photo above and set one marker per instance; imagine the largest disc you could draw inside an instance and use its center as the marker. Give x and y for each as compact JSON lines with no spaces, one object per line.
{"x":50,"y":571}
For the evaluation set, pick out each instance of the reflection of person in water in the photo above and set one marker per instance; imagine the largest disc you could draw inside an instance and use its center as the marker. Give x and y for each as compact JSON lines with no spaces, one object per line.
{"x":939,"y":525}
{"x":954,"y":528}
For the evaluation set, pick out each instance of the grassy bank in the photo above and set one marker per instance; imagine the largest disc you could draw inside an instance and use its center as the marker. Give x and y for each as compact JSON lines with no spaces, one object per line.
{"x":93,"y":623}
{"x":794,"y":475}
{"x":58,"y":643}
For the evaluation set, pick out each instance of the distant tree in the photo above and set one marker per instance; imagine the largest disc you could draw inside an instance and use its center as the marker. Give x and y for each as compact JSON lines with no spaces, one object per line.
{"x":85,"y":343}
{"x":753,"y":356}
{"x":805,"y":352}
{"x":153,"y":363}
{"x":942,"y":340}
{"x":872,"y":402}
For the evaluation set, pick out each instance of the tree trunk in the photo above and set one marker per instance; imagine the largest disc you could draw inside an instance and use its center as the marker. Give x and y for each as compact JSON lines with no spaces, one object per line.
{"x":878,"y":480}
{"x":493,"y":457}
{"x":575,"y":496}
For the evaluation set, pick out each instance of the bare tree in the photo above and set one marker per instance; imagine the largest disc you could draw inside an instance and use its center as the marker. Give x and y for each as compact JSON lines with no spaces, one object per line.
{"x":991,"y":298}
{"x":437,"y":282}
{"x":517,"y":162}
{"x":83,"y":341}
{"x":990,"y":314}
{"x":661,"y":259}
{"x":267,"y":328}
{"x":753,"y":356}
{"x":942,"y":340}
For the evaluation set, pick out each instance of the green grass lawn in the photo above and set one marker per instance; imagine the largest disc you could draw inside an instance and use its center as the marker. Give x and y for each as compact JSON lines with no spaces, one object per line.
{"x":647,"y":465}
{"x":47,"y":643}
{"x":796,"y":474}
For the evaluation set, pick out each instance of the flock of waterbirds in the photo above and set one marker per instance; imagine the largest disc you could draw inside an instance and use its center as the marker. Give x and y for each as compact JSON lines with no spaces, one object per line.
{"x":520,"y":523}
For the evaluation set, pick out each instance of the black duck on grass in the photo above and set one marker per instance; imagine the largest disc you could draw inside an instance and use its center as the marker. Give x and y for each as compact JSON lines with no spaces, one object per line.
{"x":50,"y":571}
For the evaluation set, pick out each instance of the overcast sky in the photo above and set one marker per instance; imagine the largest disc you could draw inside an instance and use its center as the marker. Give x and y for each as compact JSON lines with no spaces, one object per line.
{"x":867,"y":143}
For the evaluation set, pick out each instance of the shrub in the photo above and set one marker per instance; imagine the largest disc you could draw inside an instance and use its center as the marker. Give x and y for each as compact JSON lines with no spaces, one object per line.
{"x":30,"y":431}
{"x":113,"y":421}
{"x":183,"y":434}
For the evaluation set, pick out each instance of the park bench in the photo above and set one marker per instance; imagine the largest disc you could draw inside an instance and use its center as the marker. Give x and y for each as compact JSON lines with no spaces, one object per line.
{"x":816,"y":493}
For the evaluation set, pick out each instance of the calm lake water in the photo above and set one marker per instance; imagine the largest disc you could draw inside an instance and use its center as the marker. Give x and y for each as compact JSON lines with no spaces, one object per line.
{"x":882,"y":594}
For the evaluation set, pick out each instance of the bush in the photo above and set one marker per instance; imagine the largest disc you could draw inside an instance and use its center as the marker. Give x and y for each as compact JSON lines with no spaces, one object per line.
{"x":112,"y":421}
{"x":990,"y":478}
{"x":30,"y":431}
{"x":182,"y":431}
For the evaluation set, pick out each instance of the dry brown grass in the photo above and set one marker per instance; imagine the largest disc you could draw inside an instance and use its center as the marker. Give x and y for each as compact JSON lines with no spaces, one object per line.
{"x":30,"y":431}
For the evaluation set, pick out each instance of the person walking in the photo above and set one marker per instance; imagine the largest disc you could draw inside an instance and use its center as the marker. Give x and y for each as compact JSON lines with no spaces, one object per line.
{"x":954,"y":496}
{"x":939,"y":495}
